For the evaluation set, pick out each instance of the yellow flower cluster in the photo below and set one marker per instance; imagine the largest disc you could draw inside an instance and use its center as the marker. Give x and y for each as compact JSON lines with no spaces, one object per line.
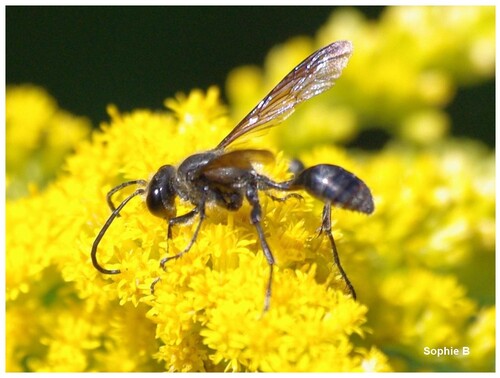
{"x":207,"y":308}
{"x":422,"y":264}
{"x":404,"y":71}
{"x":38,"y":139}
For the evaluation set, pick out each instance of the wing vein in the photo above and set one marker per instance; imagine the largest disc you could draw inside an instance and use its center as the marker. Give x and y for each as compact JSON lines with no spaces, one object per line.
{"x":316,"y":74}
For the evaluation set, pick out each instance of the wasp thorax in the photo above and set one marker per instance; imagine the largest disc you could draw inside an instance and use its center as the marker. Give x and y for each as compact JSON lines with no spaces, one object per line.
{"x":160,"y":197}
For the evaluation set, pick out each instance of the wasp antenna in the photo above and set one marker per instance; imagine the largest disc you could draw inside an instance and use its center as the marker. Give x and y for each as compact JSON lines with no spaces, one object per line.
{"x":120,"y":187}
{"x":114,"y":214}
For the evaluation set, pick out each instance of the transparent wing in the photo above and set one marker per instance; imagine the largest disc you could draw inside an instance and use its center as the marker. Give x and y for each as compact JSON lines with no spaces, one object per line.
{"x":240,"y":159}
{"x":223,"y":169}
{"x":313,"y":76}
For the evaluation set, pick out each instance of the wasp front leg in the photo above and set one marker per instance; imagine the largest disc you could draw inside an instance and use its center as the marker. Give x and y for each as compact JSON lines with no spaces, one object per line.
{"x":182,"y":219}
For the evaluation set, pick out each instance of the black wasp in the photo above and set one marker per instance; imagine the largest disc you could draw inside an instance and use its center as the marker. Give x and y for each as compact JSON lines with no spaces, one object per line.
{"x":226,"y":177}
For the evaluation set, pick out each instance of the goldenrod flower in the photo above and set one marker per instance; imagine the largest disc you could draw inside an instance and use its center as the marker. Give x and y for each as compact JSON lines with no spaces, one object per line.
{"x":422,"y":264}
{"x":39,"y":137}
{"x":404,"y":71}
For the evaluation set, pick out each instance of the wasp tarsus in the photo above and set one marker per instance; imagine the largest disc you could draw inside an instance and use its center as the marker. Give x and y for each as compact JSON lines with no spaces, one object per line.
{"x":227,"y":178}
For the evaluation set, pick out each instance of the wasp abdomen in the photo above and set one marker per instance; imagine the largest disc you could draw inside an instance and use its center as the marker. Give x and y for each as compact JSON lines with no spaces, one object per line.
{"x":333,"y":184}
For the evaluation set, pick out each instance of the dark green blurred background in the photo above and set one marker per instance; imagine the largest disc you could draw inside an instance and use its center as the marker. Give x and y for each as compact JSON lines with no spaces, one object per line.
{"x":88,"y":57}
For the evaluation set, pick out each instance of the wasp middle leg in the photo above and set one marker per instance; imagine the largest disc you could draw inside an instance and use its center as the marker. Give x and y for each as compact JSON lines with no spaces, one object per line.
{"x":256,"y":218}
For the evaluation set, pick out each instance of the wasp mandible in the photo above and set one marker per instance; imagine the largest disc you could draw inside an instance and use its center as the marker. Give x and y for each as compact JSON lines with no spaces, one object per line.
{"x":226,"y":178}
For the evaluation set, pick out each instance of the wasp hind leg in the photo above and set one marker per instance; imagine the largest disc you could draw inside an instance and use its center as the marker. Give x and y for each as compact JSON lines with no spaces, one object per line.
{"x":326,"y":228}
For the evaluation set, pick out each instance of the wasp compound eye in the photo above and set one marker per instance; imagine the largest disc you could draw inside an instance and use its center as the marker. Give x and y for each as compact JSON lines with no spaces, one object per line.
{"x":160,"y":199}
